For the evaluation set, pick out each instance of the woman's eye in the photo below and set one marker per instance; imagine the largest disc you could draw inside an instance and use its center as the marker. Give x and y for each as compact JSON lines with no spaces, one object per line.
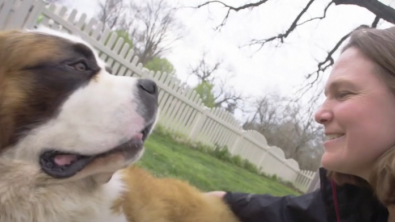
{"x":342,"y":95}
{"x":79,"y":66}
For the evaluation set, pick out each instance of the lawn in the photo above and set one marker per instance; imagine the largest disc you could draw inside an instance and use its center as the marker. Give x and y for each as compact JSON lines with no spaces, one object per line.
{"x":164,"y":157}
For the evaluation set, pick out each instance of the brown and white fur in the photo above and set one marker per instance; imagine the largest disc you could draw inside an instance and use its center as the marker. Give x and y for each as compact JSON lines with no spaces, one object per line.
{"x":69,"y":131}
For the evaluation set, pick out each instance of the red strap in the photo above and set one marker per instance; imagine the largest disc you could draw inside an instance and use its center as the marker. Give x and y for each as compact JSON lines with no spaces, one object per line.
{"x":335,"y":201}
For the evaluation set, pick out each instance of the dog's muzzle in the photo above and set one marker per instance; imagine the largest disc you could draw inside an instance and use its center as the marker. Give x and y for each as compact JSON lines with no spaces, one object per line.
{"x":59,"y":164}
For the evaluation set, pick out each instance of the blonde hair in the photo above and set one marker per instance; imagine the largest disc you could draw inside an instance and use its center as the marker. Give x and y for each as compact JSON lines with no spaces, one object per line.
{"x":379,"y":46}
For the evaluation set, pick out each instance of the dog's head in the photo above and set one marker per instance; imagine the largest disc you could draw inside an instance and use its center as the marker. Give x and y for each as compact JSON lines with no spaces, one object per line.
{"x":62,"y":112}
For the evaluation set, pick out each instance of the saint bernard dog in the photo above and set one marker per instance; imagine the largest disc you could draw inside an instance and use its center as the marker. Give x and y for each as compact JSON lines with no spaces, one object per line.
{"x":69,"y":133}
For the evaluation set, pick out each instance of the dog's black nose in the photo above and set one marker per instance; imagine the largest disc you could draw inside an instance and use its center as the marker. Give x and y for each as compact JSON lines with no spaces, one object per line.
{"x":148,"y":92}
{"x":148,"y":86}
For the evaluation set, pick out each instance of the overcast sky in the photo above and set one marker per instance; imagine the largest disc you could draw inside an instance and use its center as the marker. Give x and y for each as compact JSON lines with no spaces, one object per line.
{"x":272,"y":69}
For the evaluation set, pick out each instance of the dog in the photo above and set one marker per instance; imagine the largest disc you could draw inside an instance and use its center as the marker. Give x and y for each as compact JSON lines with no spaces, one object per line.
{"x":70,"y":133}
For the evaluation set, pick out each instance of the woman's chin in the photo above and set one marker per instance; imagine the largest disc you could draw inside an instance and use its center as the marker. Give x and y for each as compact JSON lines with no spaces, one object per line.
{"x":331,"y":161}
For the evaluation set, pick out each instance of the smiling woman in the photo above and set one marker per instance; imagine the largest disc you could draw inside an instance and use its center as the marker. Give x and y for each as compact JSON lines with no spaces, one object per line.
{"x":358,"y":178}
{"x":365,"y":117}
{"x":358,"y":115}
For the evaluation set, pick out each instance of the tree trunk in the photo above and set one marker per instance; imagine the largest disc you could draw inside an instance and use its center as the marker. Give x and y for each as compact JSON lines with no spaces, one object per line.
{"x":379,"y":9}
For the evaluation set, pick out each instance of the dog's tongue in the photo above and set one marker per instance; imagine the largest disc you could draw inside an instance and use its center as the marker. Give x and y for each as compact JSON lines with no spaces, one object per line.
{"x":64,"y":159}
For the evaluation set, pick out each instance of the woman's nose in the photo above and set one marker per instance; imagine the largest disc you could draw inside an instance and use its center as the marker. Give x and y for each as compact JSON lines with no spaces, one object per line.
{"x":323,"y":115}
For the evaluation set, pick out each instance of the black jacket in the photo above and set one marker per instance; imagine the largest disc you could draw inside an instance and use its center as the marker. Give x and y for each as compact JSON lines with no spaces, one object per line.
{"x":330,"y":203}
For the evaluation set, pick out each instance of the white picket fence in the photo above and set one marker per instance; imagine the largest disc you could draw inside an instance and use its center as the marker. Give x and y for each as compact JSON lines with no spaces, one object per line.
{"x":182,"y":110}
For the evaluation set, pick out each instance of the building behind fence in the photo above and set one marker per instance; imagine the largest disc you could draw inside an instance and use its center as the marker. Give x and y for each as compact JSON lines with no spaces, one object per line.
{"x":181,"y":110}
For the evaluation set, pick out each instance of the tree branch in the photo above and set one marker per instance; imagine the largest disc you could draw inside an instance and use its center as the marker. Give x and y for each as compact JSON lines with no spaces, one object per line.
{"x":250,"y":5}
{"x":282,"y":36}
{"x":376,"y":7}
{"x":231,"y":8}
{"x":319,"y":18}
{"x":375,"y":22}
{"x":328,"y":62}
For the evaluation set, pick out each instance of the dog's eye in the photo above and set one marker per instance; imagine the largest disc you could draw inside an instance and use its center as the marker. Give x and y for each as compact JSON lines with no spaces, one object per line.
{"x":79,"y":66}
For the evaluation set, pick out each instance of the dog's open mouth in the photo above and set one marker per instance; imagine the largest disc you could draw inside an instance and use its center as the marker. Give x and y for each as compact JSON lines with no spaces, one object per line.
{"x":63,"y":165}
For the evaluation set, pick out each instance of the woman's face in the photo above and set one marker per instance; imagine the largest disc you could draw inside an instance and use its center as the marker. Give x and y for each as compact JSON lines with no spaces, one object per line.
{"x":358,"y":115}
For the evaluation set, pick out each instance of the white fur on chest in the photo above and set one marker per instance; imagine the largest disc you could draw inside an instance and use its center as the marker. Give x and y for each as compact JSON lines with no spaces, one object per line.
{"x":20,"y":201}
{"x":112,"y":218}
{"x":113,"y":191}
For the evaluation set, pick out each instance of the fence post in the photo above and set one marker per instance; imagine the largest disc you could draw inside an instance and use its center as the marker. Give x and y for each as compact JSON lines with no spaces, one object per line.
{"x":237,"y":143}
{"x":315,"y":183}
{"x":34,"y":14}
{"x":197,"y":124}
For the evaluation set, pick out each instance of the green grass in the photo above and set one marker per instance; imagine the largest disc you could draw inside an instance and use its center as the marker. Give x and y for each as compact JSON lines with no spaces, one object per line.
{"x":164,"y":157}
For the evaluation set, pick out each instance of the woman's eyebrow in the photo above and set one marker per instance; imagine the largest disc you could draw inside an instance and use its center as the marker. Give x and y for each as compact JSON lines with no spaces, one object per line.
{"x":337,"y":84}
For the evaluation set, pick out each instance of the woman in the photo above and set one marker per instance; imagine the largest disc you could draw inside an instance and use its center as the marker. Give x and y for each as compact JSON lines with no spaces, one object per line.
{"x":358,"y":182}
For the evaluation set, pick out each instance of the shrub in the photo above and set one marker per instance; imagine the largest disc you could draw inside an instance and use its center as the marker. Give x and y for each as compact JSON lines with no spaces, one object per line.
{"x":238,"y":161}
{"x":251,"y":167}
{"x":222,"y":153}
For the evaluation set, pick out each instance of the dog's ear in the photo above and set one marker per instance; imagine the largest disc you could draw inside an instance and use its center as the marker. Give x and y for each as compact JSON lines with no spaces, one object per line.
{"x":6,"y":120}
{"x":6,"y":129}
{"x":2,"y":54}
{"x":4,"y":36}
{"x":14,"y":85}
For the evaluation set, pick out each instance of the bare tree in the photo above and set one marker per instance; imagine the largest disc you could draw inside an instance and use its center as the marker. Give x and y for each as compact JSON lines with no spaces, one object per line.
{"x":54,"y":1}
{"x":227,"y":98}
{"x":111,"y":12}
{"x":379,"y":9}
{"x":287,"y":125}
{"x":151,"y":25}
{"x":265,"y":115}
{"x":204,"y":71}
{"x":155,"y":28}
